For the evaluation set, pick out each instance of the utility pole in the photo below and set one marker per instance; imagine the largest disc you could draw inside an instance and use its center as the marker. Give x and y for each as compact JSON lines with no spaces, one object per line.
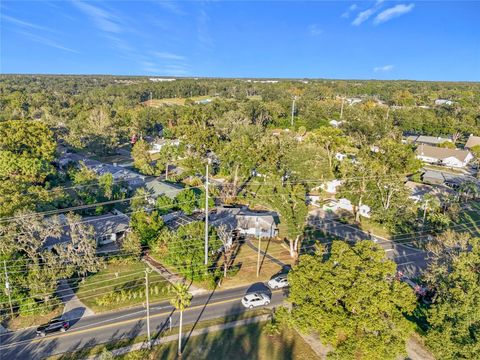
{"x":259,"y":244}
{"x":341,"y":109}
{"x":206,"y":214}
{"x":7,"y":287}
{"x":293,"y":108}
{"x":147,"y":271}
{"x":424,"y":212}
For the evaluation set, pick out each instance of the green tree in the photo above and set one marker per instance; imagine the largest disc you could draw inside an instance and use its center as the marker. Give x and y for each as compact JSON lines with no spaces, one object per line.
{"x":331,"y":141}
{"x":181,"y":300}
{"x":351,"y":299}
{"x":146,"y":225}
{"x":289,"y":200}
{"x":142,"y":160}
{"x":186,"y":250}
{"x":164,"y":204}
{"x":186,"y":200}
{"x":27,"y":149}
{"x":454,"y":317}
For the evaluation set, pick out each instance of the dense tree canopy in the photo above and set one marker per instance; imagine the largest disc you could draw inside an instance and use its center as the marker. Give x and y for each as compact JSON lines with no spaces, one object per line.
{"x":350,"y":298}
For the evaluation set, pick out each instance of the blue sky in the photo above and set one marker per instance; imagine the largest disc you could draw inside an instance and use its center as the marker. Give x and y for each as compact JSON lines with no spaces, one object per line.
{"x":423,"y":40}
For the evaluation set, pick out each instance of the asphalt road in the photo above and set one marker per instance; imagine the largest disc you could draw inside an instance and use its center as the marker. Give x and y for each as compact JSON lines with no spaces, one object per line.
{"x":129,"y":323}
{"x":410,"y":260}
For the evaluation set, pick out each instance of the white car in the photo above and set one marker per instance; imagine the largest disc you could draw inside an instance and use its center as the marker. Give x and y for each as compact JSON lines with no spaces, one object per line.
{"x":255,"y":299}
{"x":278,"y":282}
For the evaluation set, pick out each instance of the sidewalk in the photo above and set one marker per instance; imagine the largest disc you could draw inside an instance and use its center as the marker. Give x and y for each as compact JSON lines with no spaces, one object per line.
{"x":74,"y":309}
{"x":143,"y":345}
{"x":171,"y":277}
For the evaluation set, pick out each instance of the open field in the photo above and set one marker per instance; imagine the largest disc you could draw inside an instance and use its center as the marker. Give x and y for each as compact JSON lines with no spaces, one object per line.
{"x":120,"y":284}
{"x":173,"y":101}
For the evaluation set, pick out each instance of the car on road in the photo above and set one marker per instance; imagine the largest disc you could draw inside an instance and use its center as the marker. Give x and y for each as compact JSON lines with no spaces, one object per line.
{"x":255,"y":299}
{"x":277,"y":282}
{"x":54,"y":325}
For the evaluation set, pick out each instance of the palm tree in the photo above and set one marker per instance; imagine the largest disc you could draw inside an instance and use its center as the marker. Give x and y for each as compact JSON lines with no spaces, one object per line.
{"x":181,"y":300}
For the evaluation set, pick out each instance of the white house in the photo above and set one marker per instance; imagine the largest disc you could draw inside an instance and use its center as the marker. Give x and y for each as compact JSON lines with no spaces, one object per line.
{"x":444,"y":102}
{"x":335,"y":123}
{"x":158,"y":144}
{"x":331,"y":186}
{"x":449,"y":157}
{"x":245,"y":221}
{"x":345,"y":204}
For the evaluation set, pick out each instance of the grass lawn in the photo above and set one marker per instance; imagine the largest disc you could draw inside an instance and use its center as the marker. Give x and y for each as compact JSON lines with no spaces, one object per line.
{"x":247,"y":260}
{"x":21,"y":322}
{"x":118,"y":275}
{"x":469,"y":219}
{"x":84,"y":353}
{"x":245,"y":342}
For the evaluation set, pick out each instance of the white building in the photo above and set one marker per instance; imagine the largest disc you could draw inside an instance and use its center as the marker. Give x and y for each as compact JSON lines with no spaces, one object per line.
{"x":442,"y":156}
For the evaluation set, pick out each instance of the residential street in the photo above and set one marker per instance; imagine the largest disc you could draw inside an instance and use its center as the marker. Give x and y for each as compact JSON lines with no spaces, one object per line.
{"x":409,"y":259}
{"x":128,"y":323}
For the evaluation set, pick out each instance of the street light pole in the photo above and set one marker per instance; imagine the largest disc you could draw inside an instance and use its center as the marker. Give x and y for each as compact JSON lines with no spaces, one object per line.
{"x":206,"y":216}
{"x":147,"y":271}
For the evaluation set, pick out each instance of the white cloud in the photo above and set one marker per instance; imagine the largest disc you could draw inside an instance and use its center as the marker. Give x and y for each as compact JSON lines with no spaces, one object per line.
{"x":351,"y":8}
{"x":101,"y":18}
{"x":171,"y":6}
{"x":393,"y":12}
{"x":168,"y":56}
{"x":46,"y":41}
{"x":383,"y":69}
{"x":315,"y":30}
{"x":363,"y":16}
{"x":24,"y":23}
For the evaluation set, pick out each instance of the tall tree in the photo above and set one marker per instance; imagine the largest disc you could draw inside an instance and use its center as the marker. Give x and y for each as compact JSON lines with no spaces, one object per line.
{"x":289,"y":200}
{"x":142,"y":160}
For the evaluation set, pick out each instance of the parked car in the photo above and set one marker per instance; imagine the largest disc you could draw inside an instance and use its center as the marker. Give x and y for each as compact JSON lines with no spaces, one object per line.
{"x":54,"y":325}
{"x":277,"y":282}
{"x":255,"y":299}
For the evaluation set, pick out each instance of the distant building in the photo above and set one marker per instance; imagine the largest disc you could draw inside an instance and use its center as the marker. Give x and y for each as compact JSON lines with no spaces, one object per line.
{"x":440,"y":102}
{"x":472,"y":141}
{"x":157,"y":144}
{"x":334,"y":205}
{"x":335,"y":123}
{"x":119,"y":173}
{"x":247,"y":222}
{"x":330,"y":186}
{"x":443,"y":156}
{"x":161,"y":79}
{"x":427,"y":140}
{"x":353,"y":100}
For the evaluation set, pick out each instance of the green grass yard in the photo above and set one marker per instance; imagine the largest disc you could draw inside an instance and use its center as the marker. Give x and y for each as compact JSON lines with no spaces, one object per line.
{"x":118,"y":276}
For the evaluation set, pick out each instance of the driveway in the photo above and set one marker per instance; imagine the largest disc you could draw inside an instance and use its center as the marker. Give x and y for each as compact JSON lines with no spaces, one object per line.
{"x":74,"y":309}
